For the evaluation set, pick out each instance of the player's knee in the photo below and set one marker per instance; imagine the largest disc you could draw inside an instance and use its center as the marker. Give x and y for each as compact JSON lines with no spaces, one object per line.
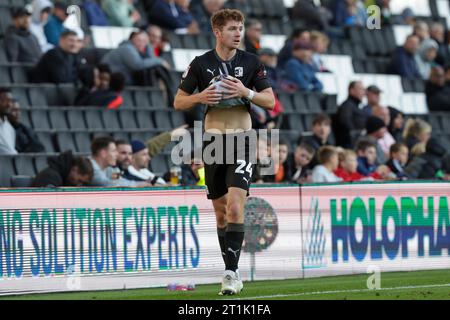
{"x":234,"y":211}
{"x":221,"y":221}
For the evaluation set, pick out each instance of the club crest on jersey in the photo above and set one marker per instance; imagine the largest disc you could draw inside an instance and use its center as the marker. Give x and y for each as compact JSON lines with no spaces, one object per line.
{"x":238,"y":71}
{"x":186,"y":72}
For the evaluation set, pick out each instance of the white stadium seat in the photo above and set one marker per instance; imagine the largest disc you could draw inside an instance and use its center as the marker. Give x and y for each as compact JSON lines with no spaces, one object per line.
{"x":110,"y":37}
{"x":329,"y":82}
{"x":338,"y":64}
{"x":443,"y":7}
{"x":182,"y":57}
{"x":419,"y":7}
{"x":275,"y":42}
{"x":401,"y":33}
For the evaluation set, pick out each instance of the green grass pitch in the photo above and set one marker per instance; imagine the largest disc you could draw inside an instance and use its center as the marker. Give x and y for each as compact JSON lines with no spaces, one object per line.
{"x":413,"y":285}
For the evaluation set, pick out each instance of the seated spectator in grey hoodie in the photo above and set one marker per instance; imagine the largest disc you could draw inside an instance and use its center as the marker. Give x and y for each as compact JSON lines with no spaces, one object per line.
{"x":104,"y":161}
{"x":41,"y":13}
{"x":425,"y":57}
{"x":20,"y":44}
{"x":133,"y":55}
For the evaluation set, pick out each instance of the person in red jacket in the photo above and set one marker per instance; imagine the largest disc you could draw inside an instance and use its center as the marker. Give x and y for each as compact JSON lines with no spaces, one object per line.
{"x":348,"y":165}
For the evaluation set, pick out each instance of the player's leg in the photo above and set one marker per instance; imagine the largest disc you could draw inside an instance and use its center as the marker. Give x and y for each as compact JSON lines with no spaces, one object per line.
{"x":220,"y":209}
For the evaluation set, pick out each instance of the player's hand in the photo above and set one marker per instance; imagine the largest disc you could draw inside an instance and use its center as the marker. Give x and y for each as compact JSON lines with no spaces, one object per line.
{"x":210,"y":96}
{"x":234,"y":88}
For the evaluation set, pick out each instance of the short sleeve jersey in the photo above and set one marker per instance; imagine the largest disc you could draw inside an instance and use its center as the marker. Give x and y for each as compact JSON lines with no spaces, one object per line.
{"x":204,"y":70}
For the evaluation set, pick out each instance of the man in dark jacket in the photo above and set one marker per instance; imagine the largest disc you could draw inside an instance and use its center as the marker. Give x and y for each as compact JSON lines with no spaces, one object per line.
{"x":403,"y":62}
{"x":437,"y":89}
{"x":350,"y":118}
{"x":253,"y":33}
{"x":60,"y":64}
{"x":21,"y":45}
{"x":26,"y":138}
{"x":429,"y":164}
{"x":65,"y":170}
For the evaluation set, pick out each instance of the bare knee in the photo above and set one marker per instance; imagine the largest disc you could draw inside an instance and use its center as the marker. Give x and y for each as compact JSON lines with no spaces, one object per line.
{"x":235,"y":212}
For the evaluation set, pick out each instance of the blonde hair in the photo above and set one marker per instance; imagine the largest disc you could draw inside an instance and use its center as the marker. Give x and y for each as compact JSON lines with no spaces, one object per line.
{"x":418,"y":149}
{"x":344,"y":154}
{"x":416,"y":127}
{"x":317,"y":35}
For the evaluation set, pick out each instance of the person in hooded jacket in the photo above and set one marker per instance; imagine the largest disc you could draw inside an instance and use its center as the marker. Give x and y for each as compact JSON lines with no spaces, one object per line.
{"x":41,"y":13}
{"x":65,"y":170}
{"x":20,"y":44}
{"x":425,"y":57}
{"x":429,"y":164}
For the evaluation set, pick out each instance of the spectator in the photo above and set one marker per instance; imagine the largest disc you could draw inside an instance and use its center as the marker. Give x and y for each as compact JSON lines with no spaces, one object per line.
{"x":437,"y":90}
{"x":41,"y":12}
{"x":61,"y":64}
{"x":21,"y":45}
{"x":7,"y":132}
{"x":396,"y":124}
{"x":133,"y":56}
{"x":138,"y":170}
{"x":203,"y":11}
{"x":348,"y":165}
{"x":421,"y":30}
{"x":319,"y":42}
{"x":191,"y":174}
{"x":279,"y":154}
{"x":262,"y":159}
{"x":26,"y":139}
{"x":408,"y":17}
{"x":65,"y":170}
{"x":156,"y":39}
{"x":416,"y":131}
{"x":367,"y":160}
{"x":104,"y":160}
{"x":321,"y":129}
{"x":168,"y":14}
{"x":437,"y":33}
{"x":286,"y":52}
{"x":110,"y":98}
{"x":403,"y":62}
{"x":315,"y":17}
{"x":121,"y":13}
{"x":375,"y":131}
{"x":425,"y":57}
{"x":355,"y":13}
{"x":299,"y":71}
{"x":387,"y":140}
{"x":350,"y":118}
{"x":54,"y":27}
{"x":253,"y":33}
{"x":373,"y":99}
{"x":299,"y":163}
{"x":124,"y":155}
{"x":398,"y":159}
{"x":328,"y":163}
{"x":430,"y":164}
{"x":94,"y":14}
{"x":269,"y":58}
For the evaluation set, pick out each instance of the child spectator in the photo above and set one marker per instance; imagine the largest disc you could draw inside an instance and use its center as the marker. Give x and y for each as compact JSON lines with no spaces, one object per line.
{"x":299,"y":162}
{"x":329,"y":162}
{"x":348,"y":167}
{"x":398,"y":159}
{"x":279,"y":154}
{"x":367,"y":159}
{"x":319,"y":42}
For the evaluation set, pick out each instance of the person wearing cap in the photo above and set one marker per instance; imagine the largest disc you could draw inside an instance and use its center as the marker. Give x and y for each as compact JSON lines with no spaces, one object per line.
{"x":299,"y":70}
{"x":39,"y":17}
{"x":21,"y":45}
{"x":373,"y":98}
{"x":375,"y":130}
{"x":54,"y":27}
{"x":138,"y":170}
{"x":269,"y":58}
{"x":425,"y":57}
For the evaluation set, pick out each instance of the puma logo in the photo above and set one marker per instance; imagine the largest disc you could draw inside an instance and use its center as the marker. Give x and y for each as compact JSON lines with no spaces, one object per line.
{"x":245,"y":179}
{"x":212,"y":72}
{"x":234,"y":252}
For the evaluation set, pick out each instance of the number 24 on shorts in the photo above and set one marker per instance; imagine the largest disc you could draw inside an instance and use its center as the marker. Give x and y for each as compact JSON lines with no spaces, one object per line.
{"x":242,"y":164}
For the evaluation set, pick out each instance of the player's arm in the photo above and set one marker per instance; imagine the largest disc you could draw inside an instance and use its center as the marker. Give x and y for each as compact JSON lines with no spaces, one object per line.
{"x":264,"y":98}
{"x":184,"y":100}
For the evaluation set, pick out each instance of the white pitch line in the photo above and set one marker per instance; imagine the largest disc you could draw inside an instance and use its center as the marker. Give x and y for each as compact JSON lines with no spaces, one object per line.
{"x":344,"y":291}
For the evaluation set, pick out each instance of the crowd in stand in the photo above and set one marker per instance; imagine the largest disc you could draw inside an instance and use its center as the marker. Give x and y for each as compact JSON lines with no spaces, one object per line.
{"x":363,"y":141}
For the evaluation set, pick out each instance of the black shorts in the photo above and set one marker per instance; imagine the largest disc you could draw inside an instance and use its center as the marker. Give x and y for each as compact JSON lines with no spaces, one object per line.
{"x":232,"y":166}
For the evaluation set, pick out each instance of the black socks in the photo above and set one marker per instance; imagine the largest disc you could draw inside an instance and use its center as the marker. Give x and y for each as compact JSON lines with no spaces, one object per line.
{"x":234,"y":236}
{"x":221,"y":235}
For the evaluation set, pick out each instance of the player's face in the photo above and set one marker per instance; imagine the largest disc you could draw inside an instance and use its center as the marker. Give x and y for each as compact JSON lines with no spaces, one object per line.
{"x":231,"y":34}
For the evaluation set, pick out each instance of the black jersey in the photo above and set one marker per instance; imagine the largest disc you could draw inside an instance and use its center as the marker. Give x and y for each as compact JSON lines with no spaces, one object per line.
{"x":209,"y":68}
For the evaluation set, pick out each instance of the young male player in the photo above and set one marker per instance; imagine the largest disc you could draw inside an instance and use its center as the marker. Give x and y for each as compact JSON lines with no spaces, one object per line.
{"x":227,"y":119}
